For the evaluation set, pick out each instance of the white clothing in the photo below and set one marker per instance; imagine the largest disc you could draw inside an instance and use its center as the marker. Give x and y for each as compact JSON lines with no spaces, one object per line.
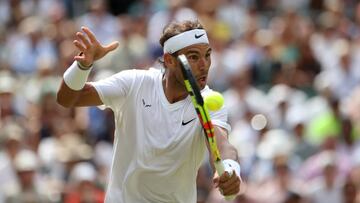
{"x":8,"y":180}
{"x":319,"y":193}
{"x":158,"y":146}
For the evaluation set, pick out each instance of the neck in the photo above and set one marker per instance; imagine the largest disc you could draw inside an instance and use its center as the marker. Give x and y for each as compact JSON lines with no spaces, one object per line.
{"x":174,"y":91}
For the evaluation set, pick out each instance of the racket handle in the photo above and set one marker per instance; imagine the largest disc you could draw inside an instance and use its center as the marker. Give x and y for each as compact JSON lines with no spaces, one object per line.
{"x":230,"y":197}
{"x":220,"y":168}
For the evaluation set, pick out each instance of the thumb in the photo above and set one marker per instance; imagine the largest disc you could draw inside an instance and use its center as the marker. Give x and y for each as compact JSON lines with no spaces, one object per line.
{"x":111,"y":46}
{"x":216,"y":182}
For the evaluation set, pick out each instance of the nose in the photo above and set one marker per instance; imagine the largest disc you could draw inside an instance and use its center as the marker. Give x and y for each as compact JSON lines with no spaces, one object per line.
{"x":202,"y":64}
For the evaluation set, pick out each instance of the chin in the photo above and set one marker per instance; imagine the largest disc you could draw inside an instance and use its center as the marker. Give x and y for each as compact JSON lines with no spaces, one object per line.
{"x":202,"y":85}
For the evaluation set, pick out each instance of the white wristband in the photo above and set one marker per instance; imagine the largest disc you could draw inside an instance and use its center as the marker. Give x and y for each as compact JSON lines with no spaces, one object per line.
{"x":231,"y":165}
{"x":75,"y":78}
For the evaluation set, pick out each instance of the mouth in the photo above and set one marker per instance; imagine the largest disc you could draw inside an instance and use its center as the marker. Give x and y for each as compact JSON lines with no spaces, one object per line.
{"x":201,"y":80}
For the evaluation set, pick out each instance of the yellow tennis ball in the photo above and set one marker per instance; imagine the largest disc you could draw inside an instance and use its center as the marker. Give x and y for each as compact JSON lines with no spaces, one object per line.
{"x":214,"y":101}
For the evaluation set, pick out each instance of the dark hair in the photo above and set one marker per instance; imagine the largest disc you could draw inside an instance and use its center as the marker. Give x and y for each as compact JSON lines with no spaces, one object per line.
{"x":175,"y":28}
{"x":292,"y":197}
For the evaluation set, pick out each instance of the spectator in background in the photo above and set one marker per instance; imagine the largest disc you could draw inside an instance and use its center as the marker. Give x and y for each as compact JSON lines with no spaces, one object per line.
{"x":349,"y":192}
{"x":293,"y":197}
{"x":11,"y":142}
{"x":146,"y":8}
{"x":283,"y":98}
{"x":303,"y":148}
{"x":354,"y":176}
{"x":30,"y":46}
{"x":241,"y":96}
{"x":348,"y":145}
{"x":328,"y":187}
{"x":4,"y":49}
{"x":83,"y":185}
{"x":31,"y":190}
{"x":344,"y":76}
{"x":133,"y":50}
{"x":102,"y":151}
{"x":7,"y":96}
{"x":98,"y":19}
{"x":61,"y":151}
{"x":176,"y":10}
{"x":276,"y":188}
{"x":325,"y":124}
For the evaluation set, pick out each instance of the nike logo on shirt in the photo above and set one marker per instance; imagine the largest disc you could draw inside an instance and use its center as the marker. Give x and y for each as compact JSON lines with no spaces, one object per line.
{"x":185,"y":123}
{"x":198,"y":36}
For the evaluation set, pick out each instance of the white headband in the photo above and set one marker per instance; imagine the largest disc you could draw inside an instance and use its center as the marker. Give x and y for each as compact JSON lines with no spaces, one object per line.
{"x":185,"y":39}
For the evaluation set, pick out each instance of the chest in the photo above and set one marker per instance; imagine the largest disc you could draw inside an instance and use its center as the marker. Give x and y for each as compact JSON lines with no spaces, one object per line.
{"x":163,"y":124}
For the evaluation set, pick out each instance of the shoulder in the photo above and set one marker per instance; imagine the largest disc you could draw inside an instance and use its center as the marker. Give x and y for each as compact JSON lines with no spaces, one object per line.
{"x":206,"y":90}
{"x":137,"y":74}
{"x":151,"y":72}
{"x":150,"y":75}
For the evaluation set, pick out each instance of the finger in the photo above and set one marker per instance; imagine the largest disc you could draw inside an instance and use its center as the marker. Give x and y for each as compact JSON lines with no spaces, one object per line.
{"x":232,"y":190}
{"x":79,"y":45}
{"x":216,"y":182}
{"x":83,"y":39}
{"x":224,"y":177}
{"x":233,"y":179}
{"x":79,"y":58}
{"x":111,"y":46}
{"x":90,"y":34}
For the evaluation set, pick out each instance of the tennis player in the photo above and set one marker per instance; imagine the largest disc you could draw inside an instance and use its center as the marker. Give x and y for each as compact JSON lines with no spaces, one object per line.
{"x":159,"y":145}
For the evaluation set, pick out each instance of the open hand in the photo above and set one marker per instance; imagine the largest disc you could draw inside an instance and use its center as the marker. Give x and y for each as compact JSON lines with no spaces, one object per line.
{"x":90,"y":47}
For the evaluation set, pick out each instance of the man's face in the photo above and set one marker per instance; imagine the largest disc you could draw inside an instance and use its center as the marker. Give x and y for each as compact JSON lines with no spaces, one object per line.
{"x":198,"y":56}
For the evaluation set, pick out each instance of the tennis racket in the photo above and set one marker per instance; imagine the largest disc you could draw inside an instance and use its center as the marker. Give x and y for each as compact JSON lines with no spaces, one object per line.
{"x":203,"y":114}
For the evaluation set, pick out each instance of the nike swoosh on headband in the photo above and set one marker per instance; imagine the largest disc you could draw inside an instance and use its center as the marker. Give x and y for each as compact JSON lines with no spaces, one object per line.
{"x":198,"y":36}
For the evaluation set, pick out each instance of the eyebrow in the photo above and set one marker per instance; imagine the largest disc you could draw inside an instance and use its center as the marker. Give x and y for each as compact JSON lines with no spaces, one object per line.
{"x":197,"y":52}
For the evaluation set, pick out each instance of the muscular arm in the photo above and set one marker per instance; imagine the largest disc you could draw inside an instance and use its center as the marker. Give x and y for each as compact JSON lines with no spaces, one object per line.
{"x":87,"y":96}
{"x":227,"y":151}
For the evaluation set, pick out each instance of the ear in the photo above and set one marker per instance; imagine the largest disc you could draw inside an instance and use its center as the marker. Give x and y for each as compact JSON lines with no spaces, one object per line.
{"x":169,"y":60}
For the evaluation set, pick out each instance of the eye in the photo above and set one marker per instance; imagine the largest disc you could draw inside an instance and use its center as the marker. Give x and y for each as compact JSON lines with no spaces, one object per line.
{"x":208,"y":55}
{"x":193,"y":57}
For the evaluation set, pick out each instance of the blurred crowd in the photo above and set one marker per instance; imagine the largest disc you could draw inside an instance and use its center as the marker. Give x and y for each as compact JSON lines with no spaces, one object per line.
{"x":289,"y":71}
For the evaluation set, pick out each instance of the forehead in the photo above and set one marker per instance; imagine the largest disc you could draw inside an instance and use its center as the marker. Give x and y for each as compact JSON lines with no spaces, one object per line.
{"x":197,"y":48}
